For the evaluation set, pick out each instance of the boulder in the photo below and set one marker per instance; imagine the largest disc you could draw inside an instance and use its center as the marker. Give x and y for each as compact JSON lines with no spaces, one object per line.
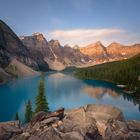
{"x":23,"y":136}
{"x":117,"y":130}
{"x":91,"y":122}
{"x":50,"y":134}
{"x":34,"y":138}
{"x":133,"y":136}
{"x":77,"y":125}
{"x":72,"y":136}
{"x":105,"y":112}
{"x":58,"y":113}
{"x":50,"y":120}
{"x":9,"y":129}
{"x":134,"y":126}
{"x":38,"y":117}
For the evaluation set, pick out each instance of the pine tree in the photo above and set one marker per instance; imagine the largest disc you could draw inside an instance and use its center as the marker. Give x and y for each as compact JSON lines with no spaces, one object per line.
{"x":28,"y":112}
{"x":16,"y":116}
{"x":41,"y":102}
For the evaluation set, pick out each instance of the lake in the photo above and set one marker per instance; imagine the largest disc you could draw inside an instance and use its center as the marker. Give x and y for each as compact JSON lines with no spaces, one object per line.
{"x":63,"y":90}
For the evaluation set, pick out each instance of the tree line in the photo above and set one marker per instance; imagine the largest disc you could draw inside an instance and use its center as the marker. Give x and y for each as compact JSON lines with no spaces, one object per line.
{"x":41,"y":103}
{"x":126,"y":72}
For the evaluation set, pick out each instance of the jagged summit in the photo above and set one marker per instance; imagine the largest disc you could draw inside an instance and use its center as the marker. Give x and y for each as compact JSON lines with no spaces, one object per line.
{"x":98,"y":43}
{"x":55,"y":43}
{"x":76,"y":46}
{"x":67,"y":46}
{"x":115,"y":44}
{"x":33,"y":50}
{"x":35,"y":40}
{"x":36,"y":34}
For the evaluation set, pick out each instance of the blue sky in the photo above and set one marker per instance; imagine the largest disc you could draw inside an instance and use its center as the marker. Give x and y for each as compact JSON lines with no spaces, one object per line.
{"x":75,"y":21}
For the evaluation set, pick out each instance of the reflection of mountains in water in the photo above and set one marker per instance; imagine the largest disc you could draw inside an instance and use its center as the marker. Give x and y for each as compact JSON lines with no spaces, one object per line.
{"x":56,"y":75}
{"x":97,"y":89}
{"x":62,"y":85}
{"x":99,"y":92}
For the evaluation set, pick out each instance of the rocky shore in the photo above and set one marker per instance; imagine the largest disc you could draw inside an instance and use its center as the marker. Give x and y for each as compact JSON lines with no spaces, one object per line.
{"x":91,"y":122}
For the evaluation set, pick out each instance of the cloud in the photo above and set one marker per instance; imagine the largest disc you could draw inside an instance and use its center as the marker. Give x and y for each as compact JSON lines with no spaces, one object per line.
{"x":83,"y":37}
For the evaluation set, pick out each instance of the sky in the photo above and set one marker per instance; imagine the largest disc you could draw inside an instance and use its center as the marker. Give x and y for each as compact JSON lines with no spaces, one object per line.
{"x":73,"y":22}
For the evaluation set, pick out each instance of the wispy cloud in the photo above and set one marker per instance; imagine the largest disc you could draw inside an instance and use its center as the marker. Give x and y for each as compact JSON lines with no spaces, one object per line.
{"x":85,"y":36}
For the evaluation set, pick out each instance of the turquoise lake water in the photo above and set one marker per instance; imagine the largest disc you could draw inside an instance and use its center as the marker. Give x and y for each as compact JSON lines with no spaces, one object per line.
{"x":63,"y":90}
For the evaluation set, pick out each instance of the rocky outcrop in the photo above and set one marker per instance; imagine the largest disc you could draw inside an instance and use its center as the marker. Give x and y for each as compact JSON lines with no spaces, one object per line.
{"x":91,"y":122}
{"x":9,"y":129}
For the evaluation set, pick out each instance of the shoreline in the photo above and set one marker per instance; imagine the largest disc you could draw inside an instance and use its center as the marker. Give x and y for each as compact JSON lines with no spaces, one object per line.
{"x":98,"y":122}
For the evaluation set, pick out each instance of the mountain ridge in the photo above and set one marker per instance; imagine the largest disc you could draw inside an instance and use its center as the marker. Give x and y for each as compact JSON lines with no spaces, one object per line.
{"x":39,"y":54}
{"x":113,"y":52}
{"x":54,"y":52}
{"x":95,"y":53}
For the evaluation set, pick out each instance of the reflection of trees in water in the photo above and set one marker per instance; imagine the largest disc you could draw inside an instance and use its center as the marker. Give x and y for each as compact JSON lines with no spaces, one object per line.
{"x":131,"y":98}
{"x":99,"y":92}
{"x":97,"y":89}
{"x":113,"y":93}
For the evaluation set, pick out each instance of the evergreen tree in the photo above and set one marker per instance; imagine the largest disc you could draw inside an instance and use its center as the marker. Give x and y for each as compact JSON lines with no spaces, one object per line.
{"x":41,"y":102}
{"x":16,"y":116}
{"x":28,"y":112}
{"x":120,"y":72}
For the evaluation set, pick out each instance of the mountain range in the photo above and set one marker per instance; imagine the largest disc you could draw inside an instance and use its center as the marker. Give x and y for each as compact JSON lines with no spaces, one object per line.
{"x":57,"y":56}
{"x":113,"y":52}
{"x":26,"y":55}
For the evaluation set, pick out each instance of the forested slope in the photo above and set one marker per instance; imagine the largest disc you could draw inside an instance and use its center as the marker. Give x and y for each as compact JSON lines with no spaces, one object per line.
{"x":125,"y":72}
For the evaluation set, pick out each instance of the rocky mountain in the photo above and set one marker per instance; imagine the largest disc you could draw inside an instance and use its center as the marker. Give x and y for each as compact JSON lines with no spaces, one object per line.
{"x":118,"y":51}
{"x":36,"y":53}
{"x":84,"y":123}
{"x":13,"y":53}
{"x":115,"y":51}
{"x":96,"y":51}
{"x":57,"y":56}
